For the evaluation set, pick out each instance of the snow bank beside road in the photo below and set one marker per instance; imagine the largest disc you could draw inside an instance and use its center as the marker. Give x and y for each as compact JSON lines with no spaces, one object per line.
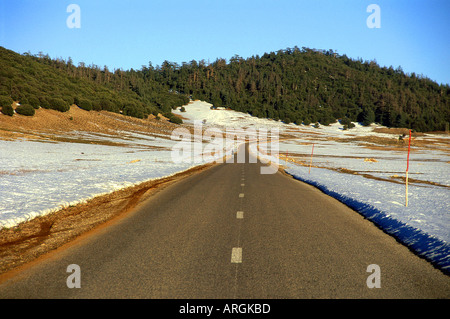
{"x":378,"y":201}
{"x":38,"y":178}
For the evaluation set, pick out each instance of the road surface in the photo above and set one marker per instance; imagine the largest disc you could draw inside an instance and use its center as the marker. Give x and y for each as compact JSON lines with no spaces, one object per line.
{"x":231,"y":232}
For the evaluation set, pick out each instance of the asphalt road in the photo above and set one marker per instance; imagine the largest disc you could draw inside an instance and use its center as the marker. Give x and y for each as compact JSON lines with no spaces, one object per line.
{"x":232,"y":232}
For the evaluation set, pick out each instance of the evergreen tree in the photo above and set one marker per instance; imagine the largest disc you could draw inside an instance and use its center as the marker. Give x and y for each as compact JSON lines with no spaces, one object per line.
{"x":368,"y":117}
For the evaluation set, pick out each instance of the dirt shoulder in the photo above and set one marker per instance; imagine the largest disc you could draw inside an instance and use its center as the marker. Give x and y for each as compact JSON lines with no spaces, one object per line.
{"x":30,"y":240}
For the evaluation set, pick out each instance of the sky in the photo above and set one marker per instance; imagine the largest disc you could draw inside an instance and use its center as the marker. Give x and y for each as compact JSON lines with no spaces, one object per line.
{"x":129,"y":34}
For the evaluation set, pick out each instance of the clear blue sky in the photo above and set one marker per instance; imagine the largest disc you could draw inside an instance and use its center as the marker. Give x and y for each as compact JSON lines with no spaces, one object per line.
{"x":130,"y":33}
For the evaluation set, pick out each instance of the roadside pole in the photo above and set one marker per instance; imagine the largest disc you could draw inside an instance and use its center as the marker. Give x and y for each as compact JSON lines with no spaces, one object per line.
{"x":407,"y":169}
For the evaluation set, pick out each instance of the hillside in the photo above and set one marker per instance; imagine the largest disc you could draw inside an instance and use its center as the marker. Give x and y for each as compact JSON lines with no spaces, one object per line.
{"x":308,"y":86}
{"x":294,"y":85}
{"x":39,"y":81}
{"x":52,"y":125}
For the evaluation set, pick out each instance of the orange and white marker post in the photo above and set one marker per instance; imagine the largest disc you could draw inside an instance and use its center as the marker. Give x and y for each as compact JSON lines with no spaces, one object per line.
{"x":311,"y":159}
{"x":407,"y":169}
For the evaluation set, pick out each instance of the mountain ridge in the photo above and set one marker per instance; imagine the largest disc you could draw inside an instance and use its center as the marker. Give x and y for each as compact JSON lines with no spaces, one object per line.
{"x":296,"y":85}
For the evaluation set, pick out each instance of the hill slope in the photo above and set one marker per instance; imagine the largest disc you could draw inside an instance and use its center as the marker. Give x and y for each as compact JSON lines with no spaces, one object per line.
{"x":294,"y":85}
{"x":56,"y":84}
{"x":304,"y":85}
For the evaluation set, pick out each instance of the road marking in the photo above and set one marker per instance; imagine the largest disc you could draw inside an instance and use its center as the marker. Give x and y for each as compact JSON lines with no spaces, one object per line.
{"x":236,"y":255}
{"x":240,"y":215}
{"x":242,"y":184}
{"x":241,"y":195}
